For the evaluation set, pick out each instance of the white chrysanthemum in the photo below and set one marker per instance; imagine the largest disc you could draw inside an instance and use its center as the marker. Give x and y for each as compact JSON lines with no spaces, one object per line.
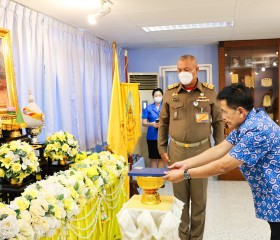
{"x":54,"y":188}
{"x":100,"y":182}
{"x":12,"y":156}
{"x":26,"y":229}
{"x":38,"y":207}
{"x":54,"y":224}
{"x":9,"y":227}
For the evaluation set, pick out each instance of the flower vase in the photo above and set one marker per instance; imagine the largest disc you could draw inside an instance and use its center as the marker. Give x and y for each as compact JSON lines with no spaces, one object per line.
{"x":14,"y":182}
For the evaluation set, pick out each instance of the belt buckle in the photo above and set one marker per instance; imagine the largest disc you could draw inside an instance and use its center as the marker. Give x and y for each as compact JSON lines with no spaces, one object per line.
{"x":186,"y":145}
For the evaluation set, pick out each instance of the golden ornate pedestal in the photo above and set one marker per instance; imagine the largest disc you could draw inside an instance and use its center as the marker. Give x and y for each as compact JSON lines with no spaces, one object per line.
{"x":150,"y":185}
{"x":9,"y":124}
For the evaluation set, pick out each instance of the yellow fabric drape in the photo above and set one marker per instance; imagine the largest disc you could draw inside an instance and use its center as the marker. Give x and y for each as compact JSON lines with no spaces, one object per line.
{"x":117,"y":136}
{"x":131,"y":98}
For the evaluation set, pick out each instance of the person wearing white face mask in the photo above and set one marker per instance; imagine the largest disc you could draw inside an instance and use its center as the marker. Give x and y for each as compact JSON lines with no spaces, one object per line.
{"x":189,"y":110}
{"x":150,"y":116}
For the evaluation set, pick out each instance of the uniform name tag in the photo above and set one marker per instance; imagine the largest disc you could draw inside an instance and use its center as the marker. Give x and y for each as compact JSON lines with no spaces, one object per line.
{"x":202,"y":117}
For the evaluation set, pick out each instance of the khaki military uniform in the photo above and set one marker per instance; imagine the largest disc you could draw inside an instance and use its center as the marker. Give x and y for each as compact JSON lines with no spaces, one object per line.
{"x":187,"y":117}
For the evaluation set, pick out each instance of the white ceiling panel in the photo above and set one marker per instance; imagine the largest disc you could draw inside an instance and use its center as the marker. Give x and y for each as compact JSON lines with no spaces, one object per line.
{"x":253,"y":19}
{"x":258,"y":8}
{"x":179,"y":16}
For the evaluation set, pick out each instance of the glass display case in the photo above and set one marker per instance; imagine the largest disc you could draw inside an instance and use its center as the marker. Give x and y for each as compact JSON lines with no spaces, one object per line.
{"x":254,"y":63}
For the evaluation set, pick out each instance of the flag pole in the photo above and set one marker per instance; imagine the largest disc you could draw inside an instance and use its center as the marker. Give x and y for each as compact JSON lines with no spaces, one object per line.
{"x":132,"y":183}
{"x":114,"y":46}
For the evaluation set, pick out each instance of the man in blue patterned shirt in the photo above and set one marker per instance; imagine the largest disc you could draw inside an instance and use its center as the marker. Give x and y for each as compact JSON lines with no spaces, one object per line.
{"x":253,"y":144}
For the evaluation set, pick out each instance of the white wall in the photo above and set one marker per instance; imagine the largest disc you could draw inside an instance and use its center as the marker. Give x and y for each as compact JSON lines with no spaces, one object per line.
{"x":141,"y":147}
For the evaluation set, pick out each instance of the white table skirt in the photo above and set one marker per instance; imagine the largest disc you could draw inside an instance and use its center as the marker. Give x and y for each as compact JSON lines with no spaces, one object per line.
{"x":142,"y":222}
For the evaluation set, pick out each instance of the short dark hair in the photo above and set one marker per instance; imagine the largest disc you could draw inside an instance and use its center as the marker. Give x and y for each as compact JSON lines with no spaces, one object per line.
{"x":157,"y":90}
{"x":237,"y":95}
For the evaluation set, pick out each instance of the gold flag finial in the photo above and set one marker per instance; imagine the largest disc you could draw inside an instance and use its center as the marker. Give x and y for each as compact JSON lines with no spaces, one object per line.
{"x":114,"y":45}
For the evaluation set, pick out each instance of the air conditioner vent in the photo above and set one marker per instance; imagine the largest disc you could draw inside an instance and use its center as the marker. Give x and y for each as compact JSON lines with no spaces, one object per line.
{"x":148,"y":81}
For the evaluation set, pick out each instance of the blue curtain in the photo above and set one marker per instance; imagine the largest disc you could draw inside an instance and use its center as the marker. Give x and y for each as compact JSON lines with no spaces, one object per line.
{"x":69,"y":72}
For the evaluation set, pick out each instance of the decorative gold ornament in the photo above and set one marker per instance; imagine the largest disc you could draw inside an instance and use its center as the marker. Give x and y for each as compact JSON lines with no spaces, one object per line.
{"x":150,"y":185}
{"x":15,"y":133}
{"x":62,"y":161}
{"x":13,"y":122}
{"x":34,"y":132}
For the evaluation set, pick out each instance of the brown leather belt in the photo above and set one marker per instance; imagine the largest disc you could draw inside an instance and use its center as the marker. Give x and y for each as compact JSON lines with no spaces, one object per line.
{"x":189,"y":145}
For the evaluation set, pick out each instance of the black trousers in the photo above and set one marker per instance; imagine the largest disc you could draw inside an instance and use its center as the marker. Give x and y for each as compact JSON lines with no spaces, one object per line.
{"x":275,"y":230}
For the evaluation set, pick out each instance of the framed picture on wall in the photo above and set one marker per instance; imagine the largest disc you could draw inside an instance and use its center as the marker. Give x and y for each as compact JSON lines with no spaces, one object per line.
{"x":8,"y":92}
{"x":235,"y":61}
{"x":248,"y":62}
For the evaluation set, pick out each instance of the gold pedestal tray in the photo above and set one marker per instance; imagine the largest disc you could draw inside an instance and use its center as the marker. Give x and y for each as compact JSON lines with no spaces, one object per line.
{"x":150,"y":185}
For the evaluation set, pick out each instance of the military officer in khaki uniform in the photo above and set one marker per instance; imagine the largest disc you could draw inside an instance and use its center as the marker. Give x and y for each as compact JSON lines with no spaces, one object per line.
{"x":188,"y":111}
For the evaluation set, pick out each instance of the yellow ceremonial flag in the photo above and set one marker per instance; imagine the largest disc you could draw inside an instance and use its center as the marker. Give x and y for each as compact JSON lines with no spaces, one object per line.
{"x":117,"y":136}
{"x":131,"y":98}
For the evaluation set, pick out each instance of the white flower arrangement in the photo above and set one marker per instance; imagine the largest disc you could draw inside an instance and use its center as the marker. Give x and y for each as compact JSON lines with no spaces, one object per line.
{"x":116,"y":163}
{"x":102,"y":168}
{"x":42,"y":208}
{"x":60,"y":145}
{"x":17,"y":160}
{"x":9,"y":226}
{"x":47,"y":205}
{"x":78,"y":184}
{"x":26,"y":229}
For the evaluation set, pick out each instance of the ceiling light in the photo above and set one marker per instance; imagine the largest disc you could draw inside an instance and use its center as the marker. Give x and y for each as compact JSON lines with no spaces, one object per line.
{"x":91,"y":19}
{"x":263,"y":69}
{"x":102,"y":12}
{"x":274,"y":64}
{"x":189,"y":26}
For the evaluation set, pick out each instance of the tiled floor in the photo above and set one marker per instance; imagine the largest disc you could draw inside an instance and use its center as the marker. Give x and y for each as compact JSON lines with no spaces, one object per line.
{"x":230,"y":212}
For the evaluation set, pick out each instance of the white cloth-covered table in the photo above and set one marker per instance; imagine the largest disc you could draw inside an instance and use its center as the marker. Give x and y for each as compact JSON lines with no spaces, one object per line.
{"x":138,"y":221}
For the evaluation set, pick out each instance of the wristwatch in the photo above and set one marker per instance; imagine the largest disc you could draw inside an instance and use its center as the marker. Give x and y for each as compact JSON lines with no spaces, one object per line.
{"x":186,"y":175}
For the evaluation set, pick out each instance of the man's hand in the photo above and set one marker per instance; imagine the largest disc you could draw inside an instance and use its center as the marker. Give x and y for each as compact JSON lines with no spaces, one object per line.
{"x":165,"y":158}
{"x":178,"y":165}
{"x":174,"y":176}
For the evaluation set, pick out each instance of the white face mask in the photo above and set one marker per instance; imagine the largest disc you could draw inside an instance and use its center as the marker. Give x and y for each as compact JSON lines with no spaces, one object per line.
{"x":157,"y":99}
{"x":186,"y":77}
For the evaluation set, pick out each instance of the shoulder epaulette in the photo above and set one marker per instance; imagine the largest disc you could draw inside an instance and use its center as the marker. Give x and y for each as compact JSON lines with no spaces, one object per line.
{"x":208,"y":85}
{"x":173,"y":85}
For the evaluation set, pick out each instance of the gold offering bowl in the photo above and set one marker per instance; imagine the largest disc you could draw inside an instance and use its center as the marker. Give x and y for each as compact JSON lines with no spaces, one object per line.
{"x":150,"y":185}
